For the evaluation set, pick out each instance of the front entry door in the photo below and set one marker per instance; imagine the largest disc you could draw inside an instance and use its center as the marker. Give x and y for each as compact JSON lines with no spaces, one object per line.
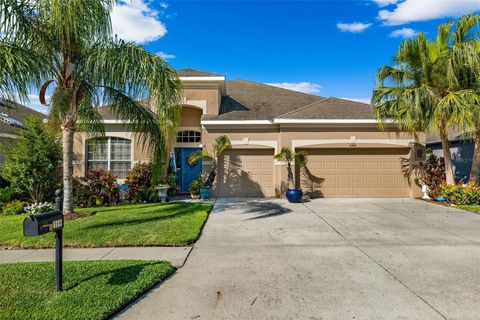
{"x":186,"y":173}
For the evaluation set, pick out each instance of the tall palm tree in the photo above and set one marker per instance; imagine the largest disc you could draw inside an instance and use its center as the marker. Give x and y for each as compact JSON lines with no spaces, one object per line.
{"x":417,"y":91}
{"x":68,"y":45}
{"x":464,"y":75}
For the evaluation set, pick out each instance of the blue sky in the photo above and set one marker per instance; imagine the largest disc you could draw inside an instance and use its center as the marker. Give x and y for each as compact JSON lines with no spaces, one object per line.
{"x":329,"y":48}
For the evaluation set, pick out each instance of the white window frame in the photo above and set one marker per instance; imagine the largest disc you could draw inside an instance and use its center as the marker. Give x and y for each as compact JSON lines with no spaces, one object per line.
{"x":109,"y":160}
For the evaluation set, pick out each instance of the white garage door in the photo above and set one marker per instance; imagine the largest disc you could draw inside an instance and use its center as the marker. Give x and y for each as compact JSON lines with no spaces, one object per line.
{"x":356,"y":173}
{"x":245,"y":173}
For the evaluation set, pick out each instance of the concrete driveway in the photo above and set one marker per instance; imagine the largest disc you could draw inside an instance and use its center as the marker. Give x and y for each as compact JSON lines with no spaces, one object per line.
{"x":326,"y":259}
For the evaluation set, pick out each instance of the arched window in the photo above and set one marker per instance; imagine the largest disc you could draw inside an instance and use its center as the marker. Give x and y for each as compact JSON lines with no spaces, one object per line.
{"x":113,"y":154}
{"x":189,"y":136}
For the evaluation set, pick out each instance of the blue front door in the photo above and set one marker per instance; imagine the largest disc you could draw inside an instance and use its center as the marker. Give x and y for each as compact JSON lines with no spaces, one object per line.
{"x":186,"y":173}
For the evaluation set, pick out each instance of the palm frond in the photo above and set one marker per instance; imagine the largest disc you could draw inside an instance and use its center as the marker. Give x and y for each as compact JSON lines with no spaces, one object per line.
{"x":221,"y":144}
{"x":199,"y":155}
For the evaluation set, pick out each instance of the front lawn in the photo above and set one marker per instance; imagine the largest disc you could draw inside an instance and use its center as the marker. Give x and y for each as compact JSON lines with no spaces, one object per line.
{"x":171,"y":224}
{"x":472,"y":208}
{"x":92,"y":289}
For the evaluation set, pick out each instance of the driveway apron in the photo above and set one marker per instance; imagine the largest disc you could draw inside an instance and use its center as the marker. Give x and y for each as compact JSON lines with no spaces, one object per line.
{"x":325,"y":259}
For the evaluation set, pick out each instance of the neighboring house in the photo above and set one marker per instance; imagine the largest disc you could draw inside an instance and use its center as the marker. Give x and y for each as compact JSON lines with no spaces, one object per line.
{"x":462,"y":153}
{"x":11,"y":117}
{"x":348,"y":155}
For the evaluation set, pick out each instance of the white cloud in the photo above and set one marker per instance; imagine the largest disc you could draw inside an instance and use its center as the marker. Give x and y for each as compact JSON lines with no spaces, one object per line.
{"x":164,"y":5}
{"x":362,"y":100}
{"x":165,"y":56}
{"x":423,"y":10}
{"x":384,"y":3}
{"x":305,"y":87}
{"x":135,"y":20}
{"x":354,"y":27}
{"x":403,"y":33}
{"x":34,"y":103}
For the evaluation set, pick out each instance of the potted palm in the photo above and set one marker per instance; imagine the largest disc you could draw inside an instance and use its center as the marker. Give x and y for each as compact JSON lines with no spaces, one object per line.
{"x":194,"y":188}
{"x":293,"y":194}
{"x":219,"y":146}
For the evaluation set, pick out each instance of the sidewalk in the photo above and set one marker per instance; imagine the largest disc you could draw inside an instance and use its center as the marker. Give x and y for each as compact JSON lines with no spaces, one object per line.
{"x":175,"y":255}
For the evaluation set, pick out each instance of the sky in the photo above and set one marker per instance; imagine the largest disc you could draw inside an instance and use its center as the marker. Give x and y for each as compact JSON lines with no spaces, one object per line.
{"x":326,"y":48}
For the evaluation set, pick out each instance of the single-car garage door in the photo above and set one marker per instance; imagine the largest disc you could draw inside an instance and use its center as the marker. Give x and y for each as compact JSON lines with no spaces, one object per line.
{"x":245,"y":173}
{"x":373,"y":172}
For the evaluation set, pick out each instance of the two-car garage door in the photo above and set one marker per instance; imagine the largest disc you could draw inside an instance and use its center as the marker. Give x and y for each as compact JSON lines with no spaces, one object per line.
{"x":331,"y":172}
{"x":356,"y":173}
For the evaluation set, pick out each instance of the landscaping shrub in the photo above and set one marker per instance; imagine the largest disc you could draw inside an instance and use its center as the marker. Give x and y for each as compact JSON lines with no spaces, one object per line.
{"x":146,"y":196}
{"x":6,"y":194}
{"x":433,"y":174}
{"x":98,"y":187}
{"x":139,"y":178}
{"x":39,"y":207}
{"x":461,"y":194}
{"x":32,"y":162}
{"x":13,"y":208}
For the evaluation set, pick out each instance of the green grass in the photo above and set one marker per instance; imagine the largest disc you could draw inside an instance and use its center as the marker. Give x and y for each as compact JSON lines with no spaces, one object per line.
{"x":171,"y":224}
{"x":92,"y":289}
{"x":472,"y":208}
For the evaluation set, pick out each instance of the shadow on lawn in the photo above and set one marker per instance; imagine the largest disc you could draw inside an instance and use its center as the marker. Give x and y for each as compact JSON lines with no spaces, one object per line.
{"x":118,"y":276}
{"x":140,"y":219}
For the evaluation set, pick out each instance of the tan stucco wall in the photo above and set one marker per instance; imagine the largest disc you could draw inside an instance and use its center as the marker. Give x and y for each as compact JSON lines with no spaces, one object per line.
{"x":264,"y":137}
{"x":212,"y":97}
{"x":190,"y":117}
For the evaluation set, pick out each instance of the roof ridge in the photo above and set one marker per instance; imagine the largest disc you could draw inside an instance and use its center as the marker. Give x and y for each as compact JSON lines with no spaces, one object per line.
{"x":301,"y":108}
{"x":270,"y":86}
{"x":368,"y":104}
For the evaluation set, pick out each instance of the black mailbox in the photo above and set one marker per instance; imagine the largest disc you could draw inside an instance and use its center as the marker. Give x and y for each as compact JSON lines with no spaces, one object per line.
{"x":43,"y":223}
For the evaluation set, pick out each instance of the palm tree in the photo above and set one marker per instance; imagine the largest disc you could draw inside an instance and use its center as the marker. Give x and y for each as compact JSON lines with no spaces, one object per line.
{"x":464,"y":75}
{"x":290,"y":157}
{"x":68,"y":44}
{"x":221,"y":144}
{"x":417,"y":92}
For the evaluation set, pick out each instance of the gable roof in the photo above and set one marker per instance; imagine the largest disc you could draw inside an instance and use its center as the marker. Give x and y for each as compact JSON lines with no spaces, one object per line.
{"x":195,"y":73}
{"x":16,"y":112}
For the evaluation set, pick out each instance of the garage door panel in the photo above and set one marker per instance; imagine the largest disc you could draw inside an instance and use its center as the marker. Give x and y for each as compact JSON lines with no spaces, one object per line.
{"x":245,"y":173}
{"x":356,"y":173}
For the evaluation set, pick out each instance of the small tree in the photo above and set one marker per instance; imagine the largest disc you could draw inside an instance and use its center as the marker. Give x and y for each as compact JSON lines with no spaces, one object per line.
{"x":219,"y":146}
{"x":32,"y":163}
{"x":289,"y":156}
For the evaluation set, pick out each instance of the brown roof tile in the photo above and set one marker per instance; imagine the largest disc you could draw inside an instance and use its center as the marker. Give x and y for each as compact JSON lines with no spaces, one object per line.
{"x":17,"y":112}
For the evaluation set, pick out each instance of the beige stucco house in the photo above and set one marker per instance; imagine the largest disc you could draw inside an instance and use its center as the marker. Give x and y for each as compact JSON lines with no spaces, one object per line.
{"x":348,"y":155}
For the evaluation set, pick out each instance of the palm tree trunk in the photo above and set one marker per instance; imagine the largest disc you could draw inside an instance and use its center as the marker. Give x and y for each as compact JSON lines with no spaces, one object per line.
{"x":290,"y":176}
{"x":447,"y":156}
{"x":476,"y":157}
{"x":67,"y":139}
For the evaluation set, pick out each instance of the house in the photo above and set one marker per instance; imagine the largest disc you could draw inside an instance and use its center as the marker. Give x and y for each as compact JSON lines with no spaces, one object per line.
{"x":11,"y":117}
{"x":461,"y":149}
{"x":348,"y":155}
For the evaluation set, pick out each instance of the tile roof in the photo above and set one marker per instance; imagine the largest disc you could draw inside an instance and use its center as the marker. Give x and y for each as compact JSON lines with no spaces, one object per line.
{"x":16,"y":112}
{"x":195,"y":73}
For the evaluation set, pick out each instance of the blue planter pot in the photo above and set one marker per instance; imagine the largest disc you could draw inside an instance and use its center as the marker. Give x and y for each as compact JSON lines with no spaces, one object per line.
{"x":294,"y":195}
{"x":205,"y":193}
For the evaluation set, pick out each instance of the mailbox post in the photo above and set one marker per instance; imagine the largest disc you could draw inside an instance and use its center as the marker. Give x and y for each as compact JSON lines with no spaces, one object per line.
{"x":52,"y":221}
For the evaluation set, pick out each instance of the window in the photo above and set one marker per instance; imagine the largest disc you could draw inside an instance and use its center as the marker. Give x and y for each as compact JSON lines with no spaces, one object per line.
{"x":113,"y":154}
{"x":189,"y":136}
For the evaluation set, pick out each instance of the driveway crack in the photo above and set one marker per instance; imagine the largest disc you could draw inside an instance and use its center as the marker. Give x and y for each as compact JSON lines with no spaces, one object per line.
{"x":376,"y":262}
